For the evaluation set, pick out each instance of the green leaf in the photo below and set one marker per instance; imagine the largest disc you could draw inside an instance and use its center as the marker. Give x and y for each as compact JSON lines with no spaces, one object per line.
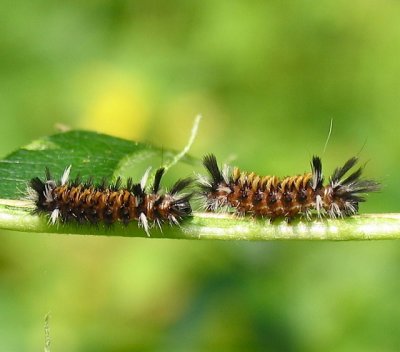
{"x":89,"y":153}
{"x":99,"y":155}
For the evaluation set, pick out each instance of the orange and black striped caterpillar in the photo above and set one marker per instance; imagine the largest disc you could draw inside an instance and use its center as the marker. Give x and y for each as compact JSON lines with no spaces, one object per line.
{"x":245,"y":193}
{"x":86,"y":202}
{"x":272,"y":197}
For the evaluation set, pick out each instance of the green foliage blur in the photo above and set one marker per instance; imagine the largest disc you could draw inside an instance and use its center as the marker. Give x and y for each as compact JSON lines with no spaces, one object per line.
{"x":268,"y":77}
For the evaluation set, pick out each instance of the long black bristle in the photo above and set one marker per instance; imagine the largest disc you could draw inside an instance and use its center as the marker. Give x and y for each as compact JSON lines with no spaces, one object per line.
{"x":341,"y":171}
{"x":116,"y":185}
{"x":157,"y":180}
{"x":365,"y":186}
{"x":137,"y":189}
{"x":352,"y":177}
{"x":180,"y":185}
{"x":210,"y":163}
{"x":38,"y":185}
{"x":316,"y":167}
{"x":352,"y":189}
{"x":129,"y":184}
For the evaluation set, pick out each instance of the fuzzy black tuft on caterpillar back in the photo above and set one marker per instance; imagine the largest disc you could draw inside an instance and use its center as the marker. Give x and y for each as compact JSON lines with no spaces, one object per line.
{"x":86,"y":202}
{"x":272,"y":197}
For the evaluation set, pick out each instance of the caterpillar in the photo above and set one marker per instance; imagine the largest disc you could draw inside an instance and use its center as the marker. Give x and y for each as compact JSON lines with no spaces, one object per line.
{"x":67,"y":201}
{"x":272,"y":197}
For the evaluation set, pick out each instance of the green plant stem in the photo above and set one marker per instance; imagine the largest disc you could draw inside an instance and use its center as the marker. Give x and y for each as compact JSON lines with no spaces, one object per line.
{"x":223,"y":227}
{"x":359,"y":227}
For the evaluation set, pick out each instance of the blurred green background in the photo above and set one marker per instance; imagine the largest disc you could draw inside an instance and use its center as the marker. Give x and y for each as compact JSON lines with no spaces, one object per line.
{"x":268,"y":77}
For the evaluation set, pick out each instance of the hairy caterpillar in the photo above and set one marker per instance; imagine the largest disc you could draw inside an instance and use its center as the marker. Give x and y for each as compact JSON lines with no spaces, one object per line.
{"x":86,"y":202}
{"x":272,"y":197}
